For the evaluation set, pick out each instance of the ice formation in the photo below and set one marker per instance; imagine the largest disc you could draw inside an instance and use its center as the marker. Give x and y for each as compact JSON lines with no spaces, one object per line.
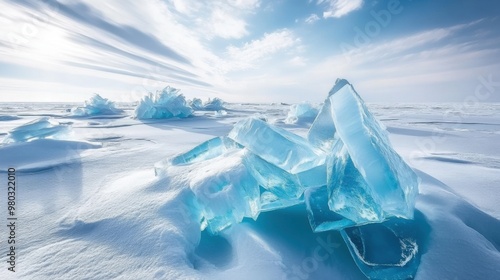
{"x":165,"y":104}
{"x":96,"y":105}
{"x":215,"y":104}
{"x":345,"y":172}
{"x":41,"y":128}
{"x":300,"y":113}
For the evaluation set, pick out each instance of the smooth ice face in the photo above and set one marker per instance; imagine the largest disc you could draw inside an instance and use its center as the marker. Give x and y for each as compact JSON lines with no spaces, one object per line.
{"x":207,"y":150}
{"x":96,"y":105}
{"x":322,"y":131}
{"x":321,"y":218}
{"x":393,"y":184}
{"x":388,"y":250}
{"x":350,"y":195}
{"x":164,"y":104}
{"x":300,"y":113}
{"x":277,"y":146}
{"x":38,"y":129}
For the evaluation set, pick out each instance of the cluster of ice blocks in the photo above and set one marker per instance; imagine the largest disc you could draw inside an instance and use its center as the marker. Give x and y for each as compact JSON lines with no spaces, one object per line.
{"x":165,"y":104}
{"x":301,"y":113}
{"x":95,"y":106}
{"x":215,"y":104}
{"x":41,"y":128}
{"x":345,"y":172}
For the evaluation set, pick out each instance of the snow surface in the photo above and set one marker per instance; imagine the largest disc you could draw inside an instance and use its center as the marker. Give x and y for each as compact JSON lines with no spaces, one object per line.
{"x":96,"y":211}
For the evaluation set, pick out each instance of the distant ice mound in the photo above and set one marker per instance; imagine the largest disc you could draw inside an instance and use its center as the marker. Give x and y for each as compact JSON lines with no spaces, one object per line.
{"x":165,"y":104}
{"x":41,"y":128}
{"x":215,"y":104}
{"x":345,"y":172}
{"x":300,"y":113}
{"x":95,"y":106}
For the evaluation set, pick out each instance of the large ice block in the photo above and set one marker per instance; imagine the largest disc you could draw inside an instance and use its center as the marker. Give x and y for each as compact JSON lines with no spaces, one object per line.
{"x":301,"y":113}
{"x":165,"y":104}
{"x":277,"y":146}
{"x":215,"y":104}
{"x":96,"y":105}
{"x":41,"y":128}
{"x":388,"y":250}
{"x":390,"y":182}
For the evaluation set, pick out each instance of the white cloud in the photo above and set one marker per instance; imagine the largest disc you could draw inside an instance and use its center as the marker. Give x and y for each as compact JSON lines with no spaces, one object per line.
{"x":252,"y":53}
{"x":298,"y":61}
{"x":340,"y":8}
{"x":225,"y":25}
{"x":312,"y":19}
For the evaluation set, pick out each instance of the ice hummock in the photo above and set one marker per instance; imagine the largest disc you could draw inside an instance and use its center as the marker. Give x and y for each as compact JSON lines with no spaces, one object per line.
{"x":41,"y":128}
{"x":215,"y":104}
{"x":301,"y":113}
{"x":164,"y":104}
{"x":345,"y":172}
{"x":95,"y":106}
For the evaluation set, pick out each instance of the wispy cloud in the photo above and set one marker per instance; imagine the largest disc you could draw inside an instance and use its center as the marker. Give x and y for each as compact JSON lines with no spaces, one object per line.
{"x":312,"y":18}
{"x":339,"y":8}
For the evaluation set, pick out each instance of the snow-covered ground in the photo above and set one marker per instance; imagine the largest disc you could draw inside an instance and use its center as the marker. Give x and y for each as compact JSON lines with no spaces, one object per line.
{"x":90,"y":206}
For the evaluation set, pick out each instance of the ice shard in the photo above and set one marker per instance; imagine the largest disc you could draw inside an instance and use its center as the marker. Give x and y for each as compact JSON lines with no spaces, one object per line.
{"x":390,"y":182}
{"x":215,"y":104}
{"x":165,"y":104}
{"x":95,"y":106}
{"x":226,"y":191}
{"x":277,"y":146}
{"x":41,"y":128}
{"x":321,"y":218}
{"x":388,"y":250}
{"x":301,"y":113}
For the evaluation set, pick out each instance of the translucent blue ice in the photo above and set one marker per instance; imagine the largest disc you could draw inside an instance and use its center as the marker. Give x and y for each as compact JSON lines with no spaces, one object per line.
{"x":225,"y":190}
{"x":41,"y":128}
{"x":215,"y":104}
{"x":277,"y":146}
{"x":95,"y":106}
{"x":301,"y":113}
{"x":196,"y":104}
{"x":165,"y":104}
{"x":388,"y":250}
{"x":388,"y":181}
{"x":321,"y":218}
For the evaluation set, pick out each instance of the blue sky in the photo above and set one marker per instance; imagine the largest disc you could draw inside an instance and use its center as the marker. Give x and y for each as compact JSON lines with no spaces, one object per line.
{"x":250,"y":50}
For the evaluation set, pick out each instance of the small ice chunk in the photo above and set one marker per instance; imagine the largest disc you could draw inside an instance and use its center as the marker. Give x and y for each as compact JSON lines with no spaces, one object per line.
{"x":215,"y":104}
{"x":277,"y":146}
{"x":95,"y":106}
{"x":390,"y":182}
{"x":220,"y":113}
{"x":301,"y":113}
{"x":388,"y":250}
{"x":196,"y":104}
{"x":41,"y":128}
{"x":321,"y":218}
{"x":164,"y":104}
{"x":207,"y":150}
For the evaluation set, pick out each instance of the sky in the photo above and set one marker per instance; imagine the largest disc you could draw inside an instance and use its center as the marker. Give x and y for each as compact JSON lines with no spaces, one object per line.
{"x":250,"y":50}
